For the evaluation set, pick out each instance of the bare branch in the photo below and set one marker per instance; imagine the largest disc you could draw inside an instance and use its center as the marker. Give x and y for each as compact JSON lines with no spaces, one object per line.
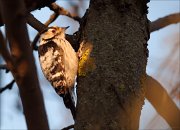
{"x":164,"y":105}
{"x":8,"y":86}
{"x":165,"y":21}
{"x":52,"y":18}
{"x":36,"y":24}
{"x":37,"y":4}
{"x":61,"y":11}
{"x":33,"y":5}
{"x":4,"y":67}
{"x":174,"y":92}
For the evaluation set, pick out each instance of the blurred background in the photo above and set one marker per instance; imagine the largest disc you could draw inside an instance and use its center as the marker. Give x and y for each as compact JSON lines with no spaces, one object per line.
{"x":163,"y":65}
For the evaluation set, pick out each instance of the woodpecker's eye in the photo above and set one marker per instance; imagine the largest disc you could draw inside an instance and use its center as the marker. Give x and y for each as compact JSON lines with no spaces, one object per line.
{"x":53,"y":31}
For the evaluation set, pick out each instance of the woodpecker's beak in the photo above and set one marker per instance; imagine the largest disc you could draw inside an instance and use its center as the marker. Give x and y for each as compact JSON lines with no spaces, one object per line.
{"x":65,"y":28}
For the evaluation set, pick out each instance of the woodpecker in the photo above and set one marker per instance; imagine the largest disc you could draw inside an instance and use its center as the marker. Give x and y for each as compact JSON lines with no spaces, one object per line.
{"x":59,"y":63}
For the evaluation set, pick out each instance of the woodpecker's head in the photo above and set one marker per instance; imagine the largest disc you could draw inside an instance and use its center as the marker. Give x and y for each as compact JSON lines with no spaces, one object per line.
{"x":52,"y":32}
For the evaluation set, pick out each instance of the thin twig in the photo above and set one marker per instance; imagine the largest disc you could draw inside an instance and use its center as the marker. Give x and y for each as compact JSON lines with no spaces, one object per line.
{"x":52,"y":18}
{"x":69,"y":127}
{"x":8,"y":86}
{"x":4,"y":67}
{"x":61,"y":11}
{"x":165,"y":21}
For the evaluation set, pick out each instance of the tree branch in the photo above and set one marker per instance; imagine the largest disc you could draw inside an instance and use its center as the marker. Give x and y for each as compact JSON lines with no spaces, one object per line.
{"x":51,"y":19}
{"x":25,"y":75}
{"x":36,"y":24}
{"x":37,"y":4}
{"x":61,"y":11}
{"x":164,"y":105}
{"x":4,"y":67}
{"x":165,"y":21}
{"x":33,"y":5}
{"x":8,"y":86}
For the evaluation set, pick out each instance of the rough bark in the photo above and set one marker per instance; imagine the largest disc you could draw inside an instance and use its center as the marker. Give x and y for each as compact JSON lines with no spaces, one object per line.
{"x":22,"y":63}
{"x":111,"y":96}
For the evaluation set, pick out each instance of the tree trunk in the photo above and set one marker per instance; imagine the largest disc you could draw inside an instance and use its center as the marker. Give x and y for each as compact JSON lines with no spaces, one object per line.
{"x":111,"y":96}
{"x":22,"y":65}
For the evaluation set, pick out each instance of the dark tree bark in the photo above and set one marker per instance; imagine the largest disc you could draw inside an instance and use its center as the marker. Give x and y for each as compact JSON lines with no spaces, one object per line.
{"x":111,"y":96}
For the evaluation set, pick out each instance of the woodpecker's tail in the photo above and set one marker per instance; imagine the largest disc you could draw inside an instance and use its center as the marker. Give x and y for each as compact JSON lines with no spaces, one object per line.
{"x":69,"y":103}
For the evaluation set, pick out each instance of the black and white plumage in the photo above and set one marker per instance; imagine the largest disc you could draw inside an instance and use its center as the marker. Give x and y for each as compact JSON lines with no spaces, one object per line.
{"x":59,"y":63}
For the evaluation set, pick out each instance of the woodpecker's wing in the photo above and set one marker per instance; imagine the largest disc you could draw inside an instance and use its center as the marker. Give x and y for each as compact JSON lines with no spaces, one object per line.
{"x":52,"y":64}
